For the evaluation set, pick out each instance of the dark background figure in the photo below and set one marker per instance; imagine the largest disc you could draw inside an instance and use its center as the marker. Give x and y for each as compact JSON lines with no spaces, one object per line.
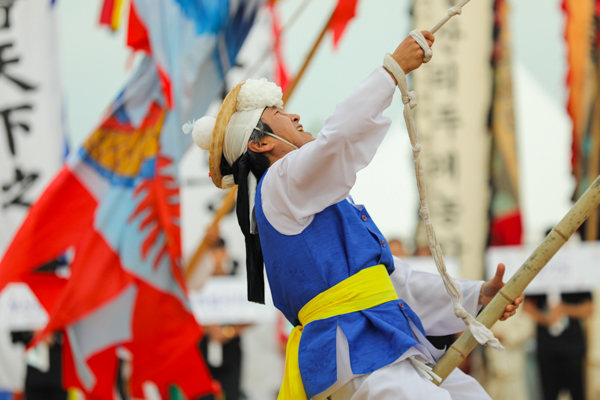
{"x":224,"y":338}
{"x":44,"y":385}
{"x":229,"y":373}
{"x":561,"y":351}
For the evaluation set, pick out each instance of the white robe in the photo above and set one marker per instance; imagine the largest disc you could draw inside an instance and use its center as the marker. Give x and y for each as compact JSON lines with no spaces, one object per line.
{"x":321,"y":173}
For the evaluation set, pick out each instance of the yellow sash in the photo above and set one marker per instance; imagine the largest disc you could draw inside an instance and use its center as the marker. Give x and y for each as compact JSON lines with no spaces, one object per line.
{"x":366,"y":289}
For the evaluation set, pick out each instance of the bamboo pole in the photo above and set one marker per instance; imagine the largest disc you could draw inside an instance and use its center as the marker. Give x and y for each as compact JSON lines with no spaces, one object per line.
{"x":517,"y":284}
{"x":226,"y":207}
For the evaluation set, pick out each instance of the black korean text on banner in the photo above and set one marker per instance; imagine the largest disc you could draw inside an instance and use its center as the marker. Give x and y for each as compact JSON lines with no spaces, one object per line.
{"x":14,"y":118}
{"x":452,"y":120}
{"x":32,"y":141}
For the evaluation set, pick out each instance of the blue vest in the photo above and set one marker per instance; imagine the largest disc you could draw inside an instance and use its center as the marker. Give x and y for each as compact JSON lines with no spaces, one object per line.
{"x":340,"y":241}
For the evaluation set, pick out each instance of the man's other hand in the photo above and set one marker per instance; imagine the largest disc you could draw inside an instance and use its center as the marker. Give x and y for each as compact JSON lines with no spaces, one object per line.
{"x":491,"y":287}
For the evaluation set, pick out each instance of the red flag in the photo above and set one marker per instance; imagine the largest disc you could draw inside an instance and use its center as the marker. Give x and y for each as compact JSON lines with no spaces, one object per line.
{"x":107,"y":12}
{"x":116,"y":208}
{"x":104,"y":364}
{"x":282,"y":76}
{"x":343,"y":13}
{"x":110,"y":15}
{"x":137,"y":34}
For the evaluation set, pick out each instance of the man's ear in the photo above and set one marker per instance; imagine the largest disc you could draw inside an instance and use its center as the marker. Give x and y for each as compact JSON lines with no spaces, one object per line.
{"x":263,"y":147}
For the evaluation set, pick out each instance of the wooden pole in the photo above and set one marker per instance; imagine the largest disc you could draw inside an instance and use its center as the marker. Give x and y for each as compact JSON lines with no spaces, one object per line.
{"x":516,"y":285}
{"x":309,"y":58}
{"x":591,"y":226}
{"x":226,"y":207}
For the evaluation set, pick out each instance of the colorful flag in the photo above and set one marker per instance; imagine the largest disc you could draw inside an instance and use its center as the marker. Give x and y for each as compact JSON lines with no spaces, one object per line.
{"x":505,"y":215}
{"x":115,"y":208}
{"x":110,"y":14}
{"x":582,"y":34}
{"x":32,"y":140}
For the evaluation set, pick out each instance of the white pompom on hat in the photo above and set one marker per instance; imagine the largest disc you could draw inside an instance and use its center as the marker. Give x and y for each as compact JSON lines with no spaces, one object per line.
{"x":202,"y":131}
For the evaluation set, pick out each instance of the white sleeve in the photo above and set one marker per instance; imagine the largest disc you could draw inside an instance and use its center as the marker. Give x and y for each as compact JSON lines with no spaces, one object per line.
{"x":426,"y":295}
{"x":322,"y":172}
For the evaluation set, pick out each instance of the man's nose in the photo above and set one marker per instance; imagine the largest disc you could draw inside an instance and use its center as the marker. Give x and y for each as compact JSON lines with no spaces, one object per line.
{"x":294,"y":117}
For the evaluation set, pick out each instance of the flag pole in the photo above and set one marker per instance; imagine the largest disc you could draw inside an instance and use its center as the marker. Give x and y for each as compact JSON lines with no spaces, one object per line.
{"x":224,"y":209}
{"x":591,"y":226}
{"x":559,"y":235}
{"x":307,"y":61}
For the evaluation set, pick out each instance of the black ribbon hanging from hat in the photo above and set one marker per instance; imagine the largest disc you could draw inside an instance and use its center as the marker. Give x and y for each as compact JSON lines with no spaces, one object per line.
{"x":254,"y":257}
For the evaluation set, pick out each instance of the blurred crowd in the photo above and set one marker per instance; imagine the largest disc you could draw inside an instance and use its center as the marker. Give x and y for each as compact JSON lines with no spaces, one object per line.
{"x":545,"y":356}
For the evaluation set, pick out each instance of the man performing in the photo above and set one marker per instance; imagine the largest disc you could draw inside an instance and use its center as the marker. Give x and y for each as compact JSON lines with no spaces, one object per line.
{"x":361,"y":315}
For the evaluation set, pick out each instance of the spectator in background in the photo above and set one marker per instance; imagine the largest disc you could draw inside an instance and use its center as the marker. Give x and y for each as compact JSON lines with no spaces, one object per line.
{"x":423,"y":251}
{"x":45,"y":382}
{"x":397,"y":248}
{"x":221,"y":345}
{"x":560,"y":341}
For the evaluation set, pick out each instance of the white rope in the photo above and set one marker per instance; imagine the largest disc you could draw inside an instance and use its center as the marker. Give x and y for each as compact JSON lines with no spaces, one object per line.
{"x":420,"y":364}
{"x":421,"y":41}
{"x":453,"y":11}
{"x":481,"y":333}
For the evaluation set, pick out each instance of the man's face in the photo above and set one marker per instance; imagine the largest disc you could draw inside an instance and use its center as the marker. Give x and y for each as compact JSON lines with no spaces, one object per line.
{"x":286,"y":126}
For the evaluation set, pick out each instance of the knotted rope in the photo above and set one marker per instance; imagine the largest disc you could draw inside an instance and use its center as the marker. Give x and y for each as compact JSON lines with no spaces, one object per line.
{"x":453,"y":11}
{"x":480,"y":332}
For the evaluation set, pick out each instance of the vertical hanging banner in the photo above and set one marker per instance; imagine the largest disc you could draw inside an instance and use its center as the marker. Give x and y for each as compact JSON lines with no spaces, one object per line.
{"x":32,"y":142}
{"x":506,"y":224}
{"x":32,"y":139}
{"x":454,"y":92}
{"x":582,"y":35}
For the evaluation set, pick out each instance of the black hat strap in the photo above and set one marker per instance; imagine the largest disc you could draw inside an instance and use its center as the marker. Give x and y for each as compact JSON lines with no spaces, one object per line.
{"x":254,"y":258}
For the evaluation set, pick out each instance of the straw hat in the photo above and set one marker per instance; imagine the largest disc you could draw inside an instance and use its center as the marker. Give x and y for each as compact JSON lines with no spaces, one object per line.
{"x":209,"y":133}
{"x":228,"y":108}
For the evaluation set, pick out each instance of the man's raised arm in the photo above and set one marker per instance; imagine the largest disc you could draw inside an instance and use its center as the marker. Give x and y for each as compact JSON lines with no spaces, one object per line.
{"x":323,"y":172}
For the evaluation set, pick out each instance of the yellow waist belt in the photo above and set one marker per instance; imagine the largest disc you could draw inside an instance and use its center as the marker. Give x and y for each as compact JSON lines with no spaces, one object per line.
{"x":366,"y":289}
